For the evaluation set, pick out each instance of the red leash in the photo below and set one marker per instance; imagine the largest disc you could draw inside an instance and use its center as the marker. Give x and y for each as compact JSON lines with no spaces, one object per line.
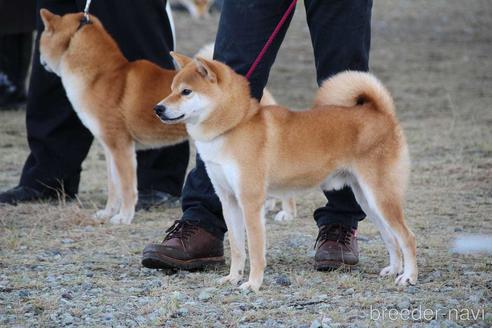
{"x":271,"y":38}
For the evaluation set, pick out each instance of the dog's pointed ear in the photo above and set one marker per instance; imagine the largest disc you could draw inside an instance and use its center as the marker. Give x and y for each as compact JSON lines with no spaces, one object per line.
{"x":206,"y":69}
{"x":180,"y":60}
{"x":47,"y":17}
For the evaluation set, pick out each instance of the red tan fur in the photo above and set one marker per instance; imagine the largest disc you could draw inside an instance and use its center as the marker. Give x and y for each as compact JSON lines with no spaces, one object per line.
{"x":114,"y":99}
{"x":349,"y":137}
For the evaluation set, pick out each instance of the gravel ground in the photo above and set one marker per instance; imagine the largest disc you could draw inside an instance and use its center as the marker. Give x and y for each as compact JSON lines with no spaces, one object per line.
{"x":57,"y":268}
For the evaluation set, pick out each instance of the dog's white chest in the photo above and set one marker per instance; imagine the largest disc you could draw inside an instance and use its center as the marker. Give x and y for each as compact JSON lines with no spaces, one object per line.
{"x":211,"y":151}
{"x":222,"y":170}
{"x":74,"y":87}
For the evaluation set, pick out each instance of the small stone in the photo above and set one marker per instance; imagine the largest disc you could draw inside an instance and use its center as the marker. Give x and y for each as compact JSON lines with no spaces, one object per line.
{"x":67,"y":241}
{"x":403,"y":305}
{"x":453,"y":301}
{"x":140,"y":319}
{"x":458,"y":229}
{"x":450,"y":324}
{"x":283,"y":280}
{"x":349,"y":291}
{"x":108,"y":316}
{"x":67,"y":296}
{"x":315,"y":324}
{"x":67,"y":319}
{"x":437,"y":274}
{"x":204,"y":295}
{"x":24,"y":293}
{"x":182,"y":312}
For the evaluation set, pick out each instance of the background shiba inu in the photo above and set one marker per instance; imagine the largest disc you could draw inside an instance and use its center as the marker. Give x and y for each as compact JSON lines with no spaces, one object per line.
{"x":112,"y":97}
{"x":350,"y":137}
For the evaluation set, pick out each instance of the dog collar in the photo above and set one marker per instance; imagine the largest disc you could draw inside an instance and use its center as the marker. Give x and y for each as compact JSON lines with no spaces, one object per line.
{"x":84,"y":21}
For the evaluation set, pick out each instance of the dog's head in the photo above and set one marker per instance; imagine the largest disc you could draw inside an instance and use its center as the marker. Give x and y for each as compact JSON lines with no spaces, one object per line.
{"x":204,"y":92}
{"x":55,"y":39}
{"x":194,"y":92}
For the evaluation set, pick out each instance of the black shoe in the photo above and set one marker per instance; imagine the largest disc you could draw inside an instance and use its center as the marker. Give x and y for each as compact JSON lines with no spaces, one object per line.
{"x":22,"y":194}
{"x":148,"y":199}
{"x":12,"y":98}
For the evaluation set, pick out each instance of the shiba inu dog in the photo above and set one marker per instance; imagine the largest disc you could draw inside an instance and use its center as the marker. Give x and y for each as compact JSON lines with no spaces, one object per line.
{"x":114,"y":99}
{"x":350,"y":136}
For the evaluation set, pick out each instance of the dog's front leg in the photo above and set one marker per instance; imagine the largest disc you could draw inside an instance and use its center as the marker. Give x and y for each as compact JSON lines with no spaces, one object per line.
{"x":113,"y":198}
{"x":252,"y":207}
{"x":125,"y":162}
{"x":235,"y":231}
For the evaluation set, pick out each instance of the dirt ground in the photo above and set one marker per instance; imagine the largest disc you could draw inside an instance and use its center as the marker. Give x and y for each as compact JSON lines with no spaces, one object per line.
{"x":57,"y":268}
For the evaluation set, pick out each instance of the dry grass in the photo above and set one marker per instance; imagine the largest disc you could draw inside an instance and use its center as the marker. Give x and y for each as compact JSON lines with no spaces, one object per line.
{"x":57,"y":267}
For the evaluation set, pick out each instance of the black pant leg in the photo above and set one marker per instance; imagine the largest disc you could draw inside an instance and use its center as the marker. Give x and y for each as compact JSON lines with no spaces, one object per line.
{"x":341,"y":35}
{"x":244,"y":28}
{"x":15,"y":57}
{"x":57,"y":140}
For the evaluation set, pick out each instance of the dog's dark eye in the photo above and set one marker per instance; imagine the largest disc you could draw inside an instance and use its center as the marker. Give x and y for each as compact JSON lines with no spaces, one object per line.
{"x":186,"y":92}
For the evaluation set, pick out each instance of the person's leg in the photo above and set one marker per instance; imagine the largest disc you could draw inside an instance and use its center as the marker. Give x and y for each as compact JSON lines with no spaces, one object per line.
{"x":15,"y":57}
{"x":340,"y":33}
{"x":238,"y":42}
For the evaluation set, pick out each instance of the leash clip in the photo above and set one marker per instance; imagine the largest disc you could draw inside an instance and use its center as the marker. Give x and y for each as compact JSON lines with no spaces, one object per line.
{"x":86,"y":19}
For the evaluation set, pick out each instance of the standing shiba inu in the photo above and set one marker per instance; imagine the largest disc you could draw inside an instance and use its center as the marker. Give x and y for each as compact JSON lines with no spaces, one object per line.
{"x":114,"y":99}
{"x":351,"y":137}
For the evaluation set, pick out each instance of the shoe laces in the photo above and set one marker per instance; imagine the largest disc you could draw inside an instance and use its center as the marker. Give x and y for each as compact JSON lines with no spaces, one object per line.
{"x":335,"y":232}
{"x":180,"y":229}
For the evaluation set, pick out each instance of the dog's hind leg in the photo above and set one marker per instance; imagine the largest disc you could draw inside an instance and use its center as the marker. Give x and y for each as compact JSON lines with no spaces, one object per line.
{"x":384,"y":204}
{"x":395,"y":267}
{"x":289,"y":210}
{"x":125,"y":164}
{"x":113,"y":198}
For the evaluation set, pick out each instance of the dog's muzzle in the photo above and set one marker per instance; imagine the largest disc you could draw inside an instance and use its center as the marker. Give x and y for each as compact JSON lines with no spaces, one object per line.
{"x":160,"y":111}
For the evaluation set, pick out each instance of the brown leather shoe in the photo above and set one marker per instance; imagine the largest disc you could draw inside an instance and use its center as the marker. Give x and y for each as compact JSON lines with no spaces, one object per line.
{"x":186,"y":246}
{"x":336,"y":246}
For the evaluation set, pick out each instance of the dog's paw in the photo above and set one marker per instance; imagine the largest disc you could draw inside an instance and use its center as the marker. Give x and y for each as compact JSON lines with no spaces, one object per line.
{"x":120,"y":219}
{"x":233,"y":279}
{"x":390,"y":271}
{"x":283,"y":216}
{"x":406,"y":279}
{"x":270,"y":204}
{"x":250,"y":285}
{"x":102,"y":214}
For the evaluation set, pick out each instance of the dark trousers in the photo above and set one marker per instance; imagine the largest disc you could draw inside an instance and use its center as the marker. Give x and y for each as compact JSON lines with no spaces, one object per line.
{"x":340,"y":34}
{"x":15,"y":56}
{"x":58,"y":140}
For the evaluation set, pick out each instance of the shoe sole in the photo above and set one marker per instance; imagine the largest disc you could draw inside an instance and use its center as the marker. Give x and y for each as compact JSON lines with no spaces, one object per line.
{"x":153,"y":260}
{"x":332,"y":266}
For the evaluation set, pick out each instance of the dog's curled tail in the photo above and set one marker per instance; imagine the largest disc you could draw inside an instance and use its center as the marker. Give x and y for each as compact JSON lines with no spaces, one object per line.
{"x":351,"y":88}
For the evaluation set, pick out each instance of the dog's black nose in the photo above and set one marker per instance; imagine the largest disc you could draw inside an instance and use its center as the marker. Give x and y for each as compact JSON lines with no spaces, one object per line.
{"x":159,"y":109}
